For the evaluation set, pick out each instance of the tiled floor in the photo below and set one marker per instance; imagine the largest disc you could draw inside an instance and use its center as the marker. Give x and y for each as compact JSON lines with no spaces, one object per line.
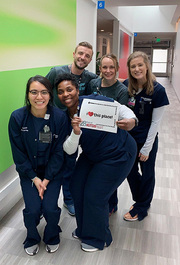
{"x":153,"y":241}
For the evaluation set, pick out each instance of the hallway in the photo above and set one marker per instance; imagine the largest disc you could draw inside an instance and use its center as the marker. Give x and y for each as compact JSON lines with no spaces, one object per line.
{"x":153,"y":241}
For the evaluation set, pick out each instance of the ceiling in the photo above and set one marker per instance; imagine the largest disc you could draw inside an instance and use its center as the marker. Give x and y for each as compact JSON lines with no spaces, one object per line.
{"x":141,"y":2}
{"x":105,"y":19}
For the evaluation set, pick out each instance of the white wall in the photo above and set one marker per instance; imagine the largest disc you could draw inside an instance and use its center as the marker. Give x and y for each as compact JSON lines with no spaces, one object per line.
{"x":147,"y":18}
{"x":176,"y":71}
{"x":86,"y":26}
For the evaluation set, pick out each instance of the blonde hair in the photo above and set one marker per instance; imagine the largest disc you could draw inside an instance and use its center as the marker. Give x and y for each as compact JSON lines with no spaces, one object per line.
{"x":150,"y":77}
{"x":113,"y":58}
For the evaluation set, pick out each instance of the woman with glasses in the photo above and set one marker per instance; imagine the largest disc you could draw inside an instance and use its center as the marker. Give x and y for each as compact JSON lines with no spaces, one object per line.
{"x":37,"y":132}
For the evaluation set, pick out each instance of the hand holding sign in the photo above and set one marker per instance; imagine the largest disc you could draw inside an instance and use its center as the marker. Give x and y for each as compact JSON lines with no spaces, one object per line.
{"x":99,"y":115}
{"x":126,"y":124}
{"x":75,"y":124}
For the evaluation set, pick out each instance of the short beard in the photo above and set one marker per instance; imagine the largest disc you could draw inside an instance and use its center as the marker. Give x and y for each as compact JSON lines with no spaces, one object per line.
{"x":78,"y":67}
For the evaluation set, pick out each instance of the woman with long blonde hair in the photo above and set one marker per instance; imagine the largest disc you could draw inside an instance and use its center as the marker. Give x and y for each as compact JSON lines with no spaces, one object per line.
{"x":148,"y":100}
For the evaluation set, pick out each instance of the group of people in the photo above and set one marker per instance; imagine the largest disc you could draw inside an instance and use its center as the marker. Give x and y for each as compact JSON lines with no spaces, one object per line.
{"x":45,"y":135}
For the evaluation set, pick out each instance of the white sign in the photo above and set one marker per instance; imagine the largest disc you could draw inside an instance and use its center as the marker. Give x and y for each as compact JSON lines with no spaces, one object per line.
{"x":99,"y":115}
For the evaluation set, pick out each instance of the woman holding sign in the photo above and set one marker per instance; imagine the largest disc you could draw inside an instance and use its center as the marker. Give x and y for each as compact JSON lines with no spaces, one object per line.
{"x":104,"y":163}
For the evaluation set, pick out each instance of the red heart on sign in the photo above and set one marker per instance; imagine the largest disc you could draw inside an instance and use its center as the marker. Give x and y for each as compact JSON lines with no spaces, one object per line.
{"x":90,"y":113}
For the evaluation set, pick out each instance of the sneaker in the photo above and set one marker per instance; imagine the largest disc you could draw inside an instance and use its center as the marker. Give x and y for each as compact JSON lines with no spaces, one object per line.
{"x":74,"y":235}
{"x":88,"y":248}
{"x":33,"y":250}
{"x":70,"y":209}
{"x":52,"y":248}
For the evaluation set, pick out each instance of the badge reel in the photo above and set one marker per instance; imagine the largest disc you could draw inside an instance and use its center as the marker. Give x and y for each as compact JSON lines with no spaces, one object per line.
{"x":45,"y":136}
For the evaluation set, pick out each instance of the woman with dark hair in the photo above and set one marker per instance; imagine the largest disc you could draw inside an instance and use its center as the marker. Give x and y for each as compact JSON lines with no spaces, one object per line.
{"x":37,"y":132}
{"x":104,"y":163}
{"x":148,"y":100}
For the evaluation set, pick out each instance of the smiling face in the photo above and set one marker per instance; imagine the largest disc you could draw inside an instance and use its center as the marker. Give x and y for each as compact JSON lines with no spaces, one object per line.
{"x":138,"y":69}
{"x":68,"y":94}
{"x":39,"y":98}
{"x":108,"y":69}
{"x":82,"y":57}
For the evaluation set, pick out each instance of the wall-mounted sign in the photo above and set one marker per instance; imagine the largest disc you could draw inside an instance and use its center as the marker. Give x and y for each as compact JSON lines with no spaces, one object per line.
{"x":101,"y":5}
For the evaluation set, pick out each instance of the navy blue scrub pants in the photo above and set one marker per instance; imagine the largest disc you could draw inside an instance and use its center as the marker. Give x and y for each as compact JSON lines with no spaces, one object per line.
{"x":34,"y":207}
{"x":91,"y":186}
{"x":142,"y":184}
{"x":69,"y":165}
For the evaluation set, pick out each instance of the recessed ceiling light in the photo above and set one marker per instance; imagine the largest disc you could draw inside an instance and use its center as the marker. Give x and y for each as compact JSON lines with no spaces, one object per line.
{"x":102,"y":29}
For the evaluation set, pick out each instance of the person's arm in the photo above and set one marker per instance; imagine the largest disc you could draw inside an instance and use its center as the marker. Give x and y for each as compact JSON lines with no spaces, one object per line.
{"x":157,"y":115}
{"x":51,"y":76}
{"x":71,"y":144}
{"x":20,"y":157}
{"x":126,"y":118}
{"x":56,"y":156}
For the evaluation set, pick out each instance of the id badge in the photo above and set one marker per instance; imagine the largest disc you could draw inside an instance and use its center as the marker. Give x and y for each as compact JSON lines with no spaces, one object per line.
{"x":45,"y":136}
{"x":131,"y":102}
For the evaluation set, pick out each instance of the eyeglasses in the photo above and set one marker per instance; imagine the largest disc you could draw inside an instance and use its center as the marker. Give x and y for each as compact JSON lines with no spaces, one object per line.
{"x":42,"y":92}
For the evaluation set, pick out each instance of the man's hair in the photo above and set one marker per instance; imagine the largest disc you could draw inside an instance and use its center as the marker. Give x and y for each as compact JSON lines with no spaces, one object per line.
{"x":84,"y":44}
{"x":66,"y":77}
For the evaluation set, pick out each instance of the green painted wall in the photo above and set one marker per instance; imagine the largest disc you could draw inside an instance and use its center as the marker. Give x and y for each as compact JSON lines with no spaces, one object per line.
{"x":34,"y":35}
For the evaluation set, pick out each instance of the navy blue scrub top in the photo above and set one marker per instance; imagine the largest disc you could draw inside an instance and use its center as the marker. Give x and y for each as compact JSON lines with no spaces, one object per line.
{"x":143,"y":108}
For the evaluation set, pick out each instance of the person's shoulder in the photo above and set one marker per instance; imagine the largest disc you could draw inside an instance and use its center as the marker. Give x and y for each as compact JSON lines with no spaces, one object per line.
{"x":61,"y":69}
{"x":19,"y":112}
{"x":96,"y":96}
{"x":158,"y":87}
{"x":59,"y":115}
{"x":121,"y":85}
{"x":95,"y":81}
{"x":57,"y":111}
{"x":90,"y":74}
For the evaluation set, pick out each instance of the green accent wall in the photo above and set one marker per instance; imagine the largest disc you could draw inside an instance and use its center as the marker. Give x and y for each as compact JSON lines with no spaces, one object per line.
{"x":34,"y":36}
{"x":12,"y":89}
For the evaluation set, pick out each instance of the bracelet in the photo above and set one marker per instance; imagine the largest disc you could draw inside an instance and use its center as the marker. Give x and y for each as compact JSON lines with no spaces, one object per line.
{"x":136,"y":121}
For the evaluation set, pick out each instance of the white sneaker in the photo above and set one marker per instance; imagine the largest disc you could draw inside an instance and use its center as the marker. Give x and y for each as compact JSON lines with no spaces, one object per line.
{"x":33,"y":250}
{"x":88,"y":248}
{"x":52,"y":248}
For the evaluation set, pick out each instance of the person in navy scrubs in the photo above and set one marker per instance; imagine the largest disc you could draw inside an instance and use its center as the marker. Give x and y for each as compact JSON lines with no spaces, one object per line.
{"x":37,"y":132}
{"x":108,"y":85}
{"x":148,"y":100}
{"x":82,"y":56}
{"x":104,"y":163}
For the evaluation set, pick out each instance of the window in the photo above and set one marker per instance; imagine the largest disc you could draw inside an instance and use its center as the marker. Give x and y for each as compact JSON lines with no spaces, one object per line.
{"x":159,"y":61}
